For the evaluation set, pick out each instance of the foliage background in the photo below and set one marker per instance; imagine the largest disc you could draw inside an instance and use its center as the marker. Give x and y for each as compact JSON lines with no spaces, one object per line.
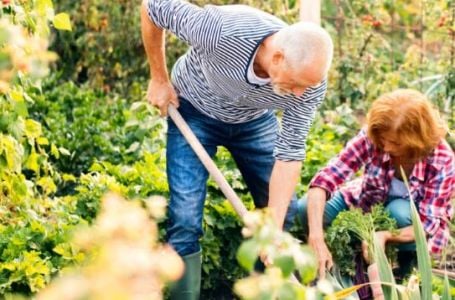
{"x":84,"y":129}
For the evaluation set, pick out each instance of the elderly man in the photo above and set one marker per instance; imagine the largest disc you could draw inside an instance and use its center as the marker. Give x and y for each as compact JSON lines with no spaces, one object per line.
{"x":242,"y":65}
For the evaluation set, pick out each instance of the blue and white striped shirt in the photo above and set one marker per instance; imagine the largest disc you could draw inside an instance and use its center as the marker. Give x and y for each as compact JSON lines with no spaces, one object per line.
{"x":212,"y":74}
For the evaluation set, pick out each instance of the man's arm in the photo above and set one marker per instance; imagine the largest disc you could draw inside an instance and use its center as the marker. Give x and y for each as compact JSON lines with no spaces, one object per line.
{"x":189,"y":23}
{"x":284,"y":178}
{"x":160,"y":91}
{"x":317,"y":198}
{"x":153,"y":39}
{"x":290,"y":151}
{"x":310,"y":11}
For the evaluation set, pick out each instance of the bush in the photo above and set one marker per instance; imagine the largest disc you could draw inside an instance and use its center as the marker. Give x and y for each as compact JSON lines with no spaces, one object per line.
{"x":92,"y":126}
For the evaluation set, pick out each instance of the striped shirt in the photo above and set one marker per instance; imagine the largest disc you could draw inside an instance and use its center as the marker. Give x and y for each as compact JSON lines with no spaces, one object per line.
{"x":431,"y":183}
{"x":213,"y":74}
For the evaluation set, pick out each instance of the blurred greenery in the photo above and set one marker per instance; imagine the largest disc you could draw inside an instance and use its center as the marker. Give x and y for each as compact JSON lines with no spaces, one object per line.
{"x":70,"y":133}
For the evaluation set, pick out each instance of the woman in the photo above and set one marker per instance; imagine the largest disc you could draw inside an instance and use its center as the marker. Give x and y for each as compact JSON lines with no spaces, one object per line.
{"x":403,"y":131}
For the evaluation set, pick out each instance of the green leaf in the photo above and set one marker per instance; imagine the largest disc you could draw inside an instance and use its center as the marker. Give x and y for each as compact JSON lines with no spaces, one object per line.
{"x":62,"y":21}
{"x":248,"y":254}
{"x":423,"y":256}
{"x":287,"y":292}
{"x":16,"y":128}
{"x":64,"y":151}
{"x":308,"y":273}
{"x":446,"y":292}
{"x":65,"y":250}
{"x":21,"y":109}
{"x":285,"y":263}
{"x":19,"y":186}
{"x":385,"y":271}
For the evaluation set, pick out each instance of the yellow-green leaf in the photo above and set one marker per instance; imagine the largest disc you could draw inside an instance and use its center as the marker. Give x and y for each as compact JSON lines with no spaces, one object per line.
{"x":54,"y":151}
{"x":48,"y":185}
{"x":19,"y":186}
{"x":62,"y":21}
{"x":344,"y":292}
{"x":37,"y":227}
{"x":60,"y":249}
{"x":17,"y":96}
{"x":69,"y":177}
{"x":32,"y":128}
{"x":12,"y":152}
{"x":44,"y":7}
{"x":42,"y":141}
{"x":32,"y":162}
{"x":10,"y":266}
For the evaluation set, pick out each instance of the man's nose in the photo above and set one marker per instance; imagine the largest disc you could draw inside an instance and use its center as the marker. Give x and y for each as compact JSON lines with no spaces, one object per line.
{"x":298,"y":91}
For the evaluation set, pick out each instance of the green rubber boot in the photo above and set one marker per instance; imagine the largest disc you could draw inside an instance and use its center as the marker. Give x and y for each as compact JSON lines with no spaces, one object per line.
{"x":188,"y":287}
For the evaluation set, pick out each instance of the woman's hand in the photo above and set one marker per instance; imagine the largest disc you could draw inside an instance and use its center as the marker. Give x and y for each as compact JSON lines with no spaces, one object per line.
{"x":382,"y":237}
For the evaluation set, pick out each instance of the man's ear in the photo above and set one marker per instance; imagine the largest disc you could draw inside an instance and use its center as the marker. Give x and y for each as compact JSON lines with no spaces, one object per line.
{"x":278,"y":57}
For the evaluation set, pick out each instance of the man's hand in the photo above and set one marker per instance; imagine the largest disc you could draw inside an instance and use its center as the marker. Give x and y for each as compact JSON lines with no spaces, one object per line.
{"x":322,"y":253}
{"x":316,"y":204}
{"x":160,"y":94}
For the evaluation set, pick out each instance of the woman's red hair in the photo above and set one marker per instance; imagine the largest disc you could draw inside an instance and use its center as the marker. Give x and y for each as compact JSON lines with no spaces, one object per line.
{"x":410,"y":115}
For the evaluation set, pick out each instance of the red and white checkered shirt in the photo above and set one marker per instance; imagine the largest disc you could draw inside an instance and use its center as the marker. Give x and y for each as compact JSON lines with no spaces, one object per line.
{"x":431,"y":184}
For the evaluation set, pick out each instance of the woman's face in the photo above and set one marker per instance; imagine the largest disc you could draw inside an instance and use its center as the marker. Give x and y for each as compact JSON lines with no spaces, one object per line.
{"x":392,"y":145}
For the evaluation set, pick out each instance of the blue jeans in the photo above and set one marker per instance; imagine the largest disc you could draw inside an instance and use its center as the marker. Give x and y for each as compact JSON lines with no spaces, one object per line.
{"x":398,"y":208}
{"x":251,"y":145}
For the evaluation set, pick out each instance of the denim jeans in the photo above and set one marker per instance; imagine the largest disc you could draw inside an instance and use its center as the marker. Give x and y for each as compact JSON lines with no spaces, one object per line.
{"x":251,"y":145}
{"x":398,"y":208}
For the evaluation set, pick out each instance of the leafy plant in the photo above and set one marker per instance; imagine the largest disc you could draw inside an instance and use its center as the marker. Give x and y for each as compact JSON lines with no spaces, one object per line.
{"x":350,"y":228}
{"x":35,"y":223}
{"x":93,"y":126}
{"x":283,"y":255}
{"x":124,"y":258}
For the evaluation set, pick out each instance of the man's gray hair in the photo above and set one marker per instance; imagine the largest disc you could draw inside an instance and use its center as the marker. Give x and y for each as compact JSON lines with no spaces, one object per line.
{"x":304,"y":43}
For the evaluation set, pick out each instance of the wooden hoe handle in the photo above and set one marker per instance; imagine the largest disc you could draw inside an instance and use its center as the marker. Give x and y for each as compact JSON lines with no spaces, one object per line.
{"x":207,"y":161}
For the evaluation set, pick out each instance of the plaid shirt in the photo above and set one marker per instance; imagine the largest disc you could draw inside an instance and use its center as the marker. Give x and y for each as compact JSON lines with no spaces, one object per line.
{"x":431,"y":184}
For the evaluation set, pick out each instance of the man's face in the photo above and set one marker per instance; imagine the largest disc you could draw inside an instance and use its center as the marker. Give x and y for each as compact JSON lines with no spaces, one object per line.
{"x":286,"y":81}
